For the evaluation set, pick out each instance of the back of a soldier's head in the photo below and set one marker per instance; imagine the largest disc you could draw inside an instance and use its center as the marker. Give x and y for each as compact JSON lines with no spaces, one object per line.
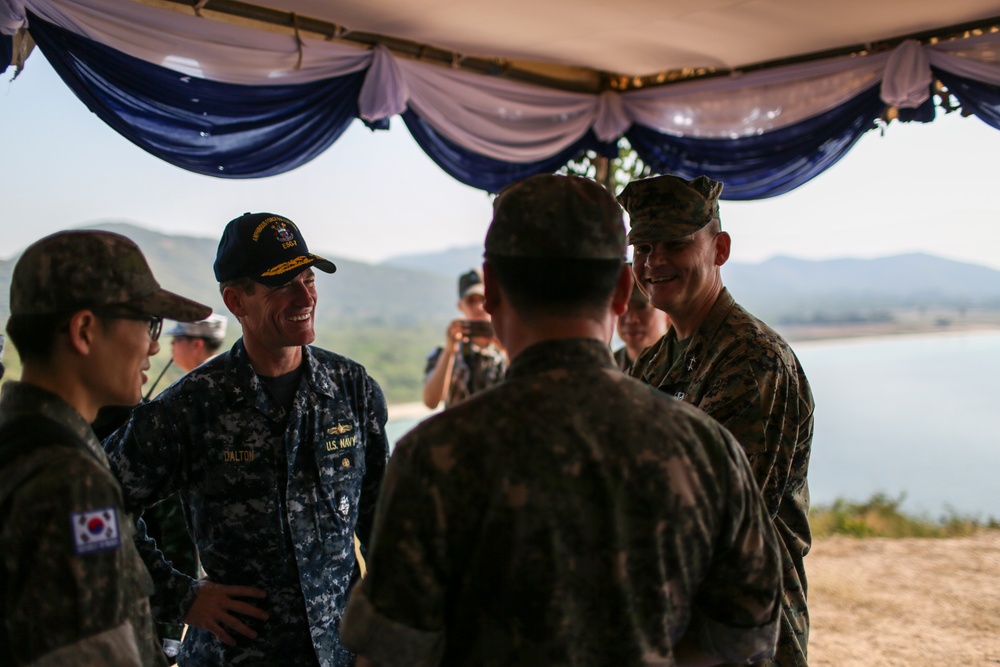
{"x":556,"y":244}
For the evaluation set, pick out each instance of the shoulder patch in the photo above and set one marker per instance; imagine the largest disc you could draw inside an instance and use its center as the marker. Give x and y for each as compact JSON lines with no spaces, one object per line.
{"x":96,"y":530}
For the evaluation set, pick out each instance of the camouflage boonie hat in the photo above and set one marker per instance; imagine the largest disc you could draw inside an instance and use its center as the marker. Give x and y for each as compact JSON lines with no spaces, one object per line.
{"x":213,"y":329}
{"x":548,"y":216}
{"x":70,"y":271}
{"x":664,"y":208}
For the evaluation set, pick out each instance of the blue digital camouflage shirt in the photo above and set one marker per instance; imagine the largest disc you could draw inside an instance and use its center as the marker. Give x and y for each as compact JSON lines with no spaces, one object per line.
{"x":273,"y":499}
{"x":568,"y":516}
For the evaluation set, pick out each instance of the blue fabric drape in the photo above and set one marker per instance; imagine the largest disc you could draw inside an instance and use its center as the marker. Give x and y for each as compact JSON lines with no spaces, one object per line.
{"x":6,"y":51}
{"x":236,"y":131}
{"x":767,"y":165}
{"x":982,"y":99}
{"x":487,"y":173}
{"x":216,"y":129}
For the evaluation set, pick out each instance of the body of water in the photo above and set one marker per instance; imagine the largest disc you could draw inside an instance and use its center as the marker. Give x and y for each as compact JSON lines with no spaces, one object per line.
{"x":913,"y":415}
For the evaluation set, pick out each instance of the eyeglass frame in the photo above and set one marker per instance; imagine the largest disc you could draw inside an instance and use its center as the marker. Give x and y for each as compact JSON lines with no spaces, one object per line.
{"x":154,"y":322}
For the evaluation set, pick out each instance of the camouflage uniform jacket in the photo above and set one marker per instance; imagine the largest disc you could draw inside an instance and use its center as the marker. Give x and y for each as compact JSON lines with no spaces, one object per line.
{"x":621,"y":358}
{"x":741,"y":372}
{"x":568,"y":516}
{"x":274,"y":499}
{"x":74,"y":589}
{"x":475,"y":369}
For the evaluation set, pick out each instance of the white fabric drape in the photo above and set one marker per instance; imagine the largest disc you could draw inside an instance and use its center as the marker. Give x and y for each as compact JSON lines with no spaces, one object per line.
{"x":502,"y":118}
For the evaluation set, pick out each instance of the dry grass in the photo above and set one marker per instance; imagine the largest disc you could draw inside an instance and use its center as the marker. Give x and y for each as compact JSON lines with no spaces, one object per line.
{"x":908,"y":602}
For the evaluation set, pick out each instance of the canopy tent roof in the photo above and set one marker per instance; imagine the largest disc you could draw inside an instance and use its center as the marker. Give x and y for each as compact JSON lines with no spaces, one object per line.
{"x":582,"y":41}
{"x":763,"y":95}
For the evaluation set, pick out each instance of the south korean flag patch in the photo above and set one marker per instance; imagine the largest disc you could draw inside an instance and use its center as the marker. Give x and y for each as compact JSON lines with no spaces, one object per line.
{"x":96,"y":530}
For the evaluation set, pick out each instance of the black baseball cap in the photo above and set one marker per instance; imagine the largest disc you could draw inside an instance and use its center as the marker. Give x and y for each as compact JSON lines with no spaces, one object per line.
{"x":267,"y":248}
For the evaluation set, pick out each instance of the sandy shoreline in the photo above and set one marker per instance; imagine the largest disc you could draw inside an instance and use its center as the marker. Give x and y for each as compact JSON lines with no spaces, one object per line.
{"x":904,"y":602}
{"x":827,"y":333}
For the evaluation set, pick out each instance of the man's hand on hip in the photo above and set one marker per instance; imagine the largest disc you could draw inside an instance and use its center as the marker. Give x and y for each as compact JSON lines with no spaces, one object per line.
{"x":215,"y":605}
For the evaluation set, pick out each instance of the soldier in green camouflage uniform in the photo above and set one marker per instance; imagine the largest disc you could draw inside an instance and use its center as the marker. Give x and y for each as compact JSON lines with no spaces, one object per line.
{"x":85,"y":315}
{"x":569,"y":515}
{"x":722,"y":359}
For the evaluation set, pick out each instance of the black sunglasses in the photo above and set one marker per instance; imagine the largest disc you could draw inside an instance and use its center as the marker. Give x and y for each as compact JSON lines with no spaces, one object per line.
{"x":155,"y":323}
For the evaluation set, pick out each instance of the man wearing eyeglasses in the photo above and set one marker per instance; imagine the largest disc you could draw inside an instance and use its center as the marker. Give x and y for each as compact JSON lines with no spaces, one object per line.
{"x":277,"y":449}
{"x":85,"y":315}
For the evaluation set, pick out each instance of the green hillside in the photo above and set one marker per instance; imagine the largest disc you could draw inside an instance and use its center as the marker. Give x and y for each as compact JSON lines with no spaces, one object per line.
{"x":386,"y":318}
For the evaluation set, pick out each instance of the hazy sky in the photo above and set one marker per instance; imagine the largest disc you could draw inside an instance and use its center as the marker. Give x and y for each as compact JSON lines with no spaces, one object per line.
{"x":929,"y":188}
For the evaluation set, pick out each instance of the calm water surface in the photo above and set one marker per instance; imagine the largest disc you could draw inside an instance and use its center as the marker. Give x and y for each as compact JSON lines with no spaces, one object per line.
{"x":912,"y":415}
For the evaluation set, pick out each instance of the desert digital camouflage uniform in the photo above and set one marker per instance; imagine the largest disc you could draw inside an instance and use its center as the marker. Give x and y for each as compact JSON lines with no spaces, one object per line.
{"x":61,"y":606}
{"x":742,"y":373}
{"x":568,"y":516}
{"x":474,"y":369}
{"x":274,"y":498}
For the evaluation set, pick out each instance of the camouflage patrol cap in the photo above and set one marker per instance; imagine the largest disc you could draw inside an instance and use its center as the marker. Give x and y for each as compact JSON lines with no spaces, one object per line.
{"x":74,"y":270}
{"x":266,"y":248}
{"x":663,"y":208}
{"x":548,"y":216}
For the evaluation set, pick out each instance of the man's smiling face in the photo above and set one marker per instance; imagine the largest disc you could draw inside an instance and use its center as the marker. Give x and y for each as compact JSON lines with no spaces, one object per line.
{"x":681,"y":275}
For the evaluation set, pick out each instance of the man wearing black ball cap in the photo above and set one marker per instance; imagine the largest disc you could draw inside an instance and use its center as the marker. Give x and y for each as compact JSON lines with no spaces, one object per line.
{"x":277,"y":449}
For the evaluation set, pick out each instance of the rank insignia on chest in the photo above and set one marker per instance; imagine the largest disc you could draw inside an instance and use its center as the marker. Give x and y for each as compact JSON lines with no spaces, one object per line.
{"x":344,"y":437}
{"x":96,"y":530}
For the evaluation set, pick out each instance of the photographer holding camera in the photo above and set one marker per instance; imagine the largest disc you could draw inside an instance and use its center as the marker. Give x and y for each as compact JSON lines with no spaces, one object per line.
{"x":472,"y":359}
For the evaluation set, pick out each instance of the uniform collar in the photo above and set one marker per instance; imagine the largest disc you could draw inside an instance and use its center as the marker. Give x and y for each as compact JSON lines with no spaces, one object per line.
{"x":562,"y":353}
{"x":21,"y":399}
{"x":248,"y":387}
{"x":699,"y":343}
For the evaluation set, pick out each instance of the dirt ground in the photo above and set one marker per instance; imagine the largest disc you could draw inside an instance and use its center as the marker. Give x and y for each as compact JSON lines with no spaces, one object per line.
{"x":912,"y":602}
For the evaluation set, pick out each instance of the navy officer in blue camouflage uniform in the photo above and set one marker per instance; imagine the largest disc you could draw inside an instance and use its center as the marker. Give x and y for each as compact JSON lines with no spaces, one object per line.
{"x":277,"y":449}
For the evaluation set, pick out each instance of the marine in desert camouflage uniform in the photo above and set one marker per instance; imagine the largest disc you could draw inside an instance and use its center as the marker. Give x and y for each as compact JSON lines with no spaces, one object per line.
{"x":278,"y":449}
{"x":722,"y":359}
{"x":85,"y":315}
{"x":570,"y":515}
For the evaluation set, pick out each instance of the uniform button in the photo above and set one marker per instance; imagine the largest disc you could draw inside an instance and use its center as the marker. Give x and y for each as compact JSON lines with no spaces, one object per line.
{"x":345,"y":463}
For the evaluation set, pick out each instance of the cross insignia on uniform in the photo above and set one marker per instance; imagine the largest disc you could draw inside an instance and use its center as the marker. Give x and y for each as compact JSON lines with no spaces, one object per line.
{"x":691,"y":363}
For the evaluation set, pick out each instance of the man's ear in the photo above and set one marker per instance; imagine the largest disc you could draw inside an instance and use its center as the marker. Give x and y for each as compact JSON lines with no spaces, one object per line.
{"x":722,"y":246}
{"x":84,"y":326}
{"x":623,"y":291}
{"x":491,"y":291}
{"x":233,"y":298}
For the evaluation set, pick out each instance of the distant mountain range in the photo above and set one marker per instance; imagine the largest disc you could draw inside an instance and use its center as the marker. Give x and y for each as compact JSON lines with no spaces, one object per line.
{"x":420,"y":289}
{"x":790,"y":290}
{"x":356,"y":293}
